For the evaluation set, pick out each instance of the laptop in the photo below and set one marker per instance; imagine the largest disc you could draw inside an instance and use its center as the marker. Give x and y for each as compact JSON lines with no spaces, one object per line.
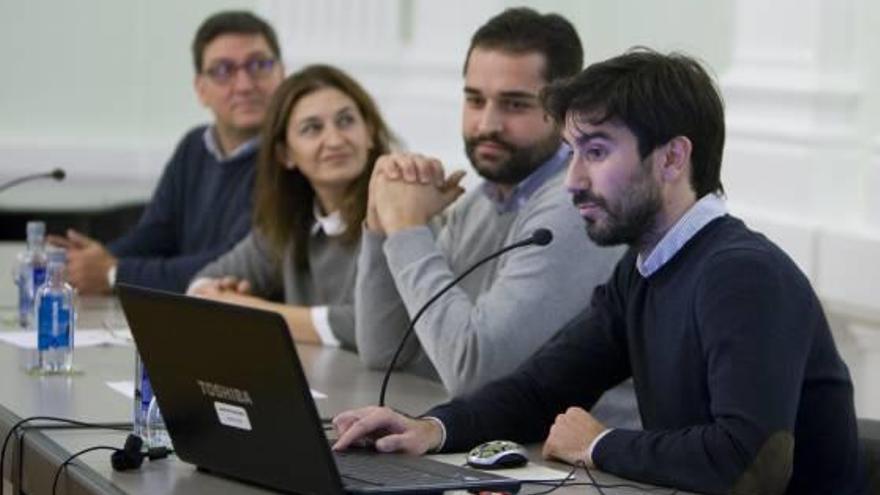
{"x":236,"y":403}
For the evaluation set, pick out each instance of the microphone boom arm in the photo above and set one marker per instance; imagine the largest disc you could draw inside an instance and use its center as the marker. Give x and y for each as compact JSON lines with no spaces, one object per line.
{"x":57,"y":174}
{"x":540,"y":237}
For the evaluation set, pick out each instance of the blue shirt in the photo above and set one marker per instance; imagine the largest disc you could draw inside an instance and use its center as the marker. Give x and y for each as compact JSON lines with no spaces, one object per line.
{"x":201,"y":208}
{"x":708,"y":208}
{"x":210,"y":140}
{"x":524,"y":190}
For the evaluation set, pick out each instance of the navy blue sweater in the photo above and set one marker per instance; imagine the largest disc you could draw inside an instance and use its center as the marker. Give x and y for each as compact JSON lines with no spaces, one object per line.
{"x":739,"y":383}
{"x":200,"y":209}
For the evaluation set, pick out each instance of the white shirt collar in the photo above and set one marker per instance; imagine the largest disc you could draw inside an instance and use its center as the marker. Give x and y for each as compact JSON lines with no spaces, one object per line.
{"x":332,"y":223}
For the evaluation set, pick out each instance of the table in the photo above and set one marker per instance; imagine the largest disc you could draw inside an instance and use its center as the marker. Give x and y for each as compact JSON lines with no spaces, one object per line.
{"x":86,"y":397}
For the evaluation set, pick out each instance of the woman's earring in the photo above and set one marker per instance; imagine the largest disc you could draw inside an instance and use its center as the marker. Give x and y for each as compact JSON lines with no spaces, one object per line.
{"x":290,"y":165}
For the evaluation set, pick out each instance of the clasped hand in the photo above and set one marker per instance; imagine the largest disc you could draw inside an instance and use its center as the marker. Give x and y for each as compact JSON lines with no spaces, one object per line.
{"x":214,"y":288}
{"x":227,"y":289}
{"x":407,"y":189}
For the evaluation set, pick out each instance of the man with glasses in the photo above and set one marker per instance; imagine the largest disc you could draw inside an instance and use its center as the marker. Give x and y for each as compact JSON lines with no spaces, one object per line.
{"x":202,"y":205}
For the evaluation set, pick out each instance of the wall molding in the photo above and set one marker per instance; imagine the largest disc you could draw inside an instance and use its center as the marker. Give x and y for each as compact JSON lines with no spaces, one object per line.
{"x":834,"y":259}
{"x":86,"y":162}
{"x":793,"y":108}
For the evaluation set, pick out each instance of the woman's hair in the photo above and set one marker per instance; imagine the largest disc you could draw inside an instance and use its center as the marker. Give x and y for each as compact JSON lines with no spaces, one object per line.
{"x":284,"y":198}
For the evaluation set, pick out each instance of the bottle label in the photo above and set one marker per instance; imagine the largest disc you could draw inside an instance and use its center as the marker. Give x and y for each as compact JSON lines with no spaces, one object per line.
{"x":146,"y":391}
{"x":39,"y":277}
{"x":53,"y":322}
{"x":32,"y":277}
{"x":24,"y":302}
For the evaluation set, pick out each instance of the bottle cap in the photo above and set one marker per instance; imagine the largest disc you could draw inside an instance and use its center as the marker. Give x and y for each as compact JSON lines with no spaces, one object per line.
{"x":56,"y":255}
{"x":36,"y":228}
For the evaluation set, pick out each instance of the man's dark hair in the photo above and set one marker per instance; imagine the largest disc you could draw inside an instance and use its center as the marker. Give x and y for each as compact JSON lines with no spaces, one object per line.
{"x":231,"y":22}
{"x":523,"y":30}
{"x":656,"y":96}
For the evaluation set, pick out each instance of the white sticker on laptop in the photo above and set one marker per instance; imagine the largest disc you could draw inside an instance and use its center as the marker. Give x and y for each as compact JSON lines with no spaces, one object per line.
{"x":234,"y":416}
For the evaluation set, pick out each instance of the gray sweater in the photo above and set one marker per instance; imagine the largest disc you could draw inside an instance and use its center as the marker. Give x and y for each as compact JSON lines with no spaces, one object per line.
{"x":499,"y":315}
{"x":328,"y":282}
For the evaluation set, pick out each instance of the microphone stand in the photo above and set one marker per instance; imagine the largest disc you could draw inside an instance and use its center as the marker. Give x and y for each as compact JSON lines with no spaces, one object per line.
{"x":57,"y":174}
{"x":541,"y":237}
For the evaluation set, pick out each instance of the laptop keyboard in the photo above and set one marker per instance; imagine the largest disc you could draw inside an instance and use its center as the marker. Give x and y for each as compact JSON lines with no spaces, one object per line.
{"x":396,"y":470}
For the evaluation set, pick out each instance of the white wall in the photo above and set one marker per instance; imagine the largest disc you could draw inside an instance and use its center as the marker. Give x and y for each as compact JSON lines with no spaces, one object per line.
{"x":801,"y":158}
{"x":100,"y":87}
{"x":104,"y":89}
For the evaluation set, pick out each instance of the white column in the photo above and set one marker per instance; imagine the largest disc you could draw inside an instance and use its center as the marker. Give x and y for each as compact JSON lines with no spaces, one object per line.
{"x":792,"y":94}
{"x":339,"y":32}
{"x":865,"y":373}
{"x":802,"y":162}
{"x":872,"y":187}
{"x":795,"y":160}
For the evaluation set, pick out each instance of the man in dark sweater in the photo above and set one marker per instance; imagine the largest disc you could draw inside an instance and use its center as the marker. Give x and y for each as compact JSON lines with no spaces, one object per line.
{"x":202,"y":205}
{"x":739,"y":384}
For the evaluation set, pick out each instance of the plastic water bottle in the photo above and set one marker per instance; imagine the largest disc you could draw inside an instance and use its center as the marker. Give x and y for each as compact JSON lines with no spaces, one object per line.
{"x":143,"y":395}
{"x":55,"y":317}
{"x":157,"y":432}
{"x":31,"y":272}
{"x":146,"y":417}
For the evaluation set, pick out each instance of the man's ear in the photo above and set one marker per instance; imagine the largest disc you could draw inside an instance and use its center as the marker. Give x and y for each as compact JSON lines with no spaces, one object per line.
{"x":199,"y":85}
{"x":675,"y":159}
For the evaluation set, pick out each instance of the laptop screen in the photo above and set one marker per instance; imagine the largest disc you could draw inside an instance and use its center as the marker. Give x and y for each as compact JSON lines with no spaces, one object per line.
{"x":231,"y":390}
{"x":236,"y":402}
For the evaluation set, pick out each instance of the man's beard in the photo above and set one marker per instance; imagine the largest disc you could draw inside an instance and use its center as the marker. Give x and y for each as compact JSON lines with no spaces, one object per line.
{"x":521,"y":163}
{"x":629,"y":219}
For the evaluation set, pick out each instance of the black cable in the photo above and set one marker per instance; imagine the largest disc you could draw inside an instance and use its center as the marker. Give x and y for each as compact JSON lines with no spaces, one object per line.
{"x":73,"y":456}
{"x":540,"y":237}
{"x":612,"y":486}
{"x":115,"y":426}
{"x":557,"y":485}
{"x":590,"y":475}
{"x":643,"y":489}
{"x":593,"y":483}
{"x":68,"y":422}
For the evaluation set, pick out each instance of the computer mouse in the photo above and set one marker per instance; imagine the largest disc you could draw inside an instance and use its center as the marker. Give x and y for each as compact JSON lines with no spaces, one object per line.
{"x":497,"y":454}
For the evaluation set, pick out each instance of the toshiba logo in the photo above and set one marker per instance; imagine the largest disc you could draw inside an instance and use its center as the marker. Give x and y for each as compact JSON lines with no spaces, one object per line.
{"x":223,"y":392}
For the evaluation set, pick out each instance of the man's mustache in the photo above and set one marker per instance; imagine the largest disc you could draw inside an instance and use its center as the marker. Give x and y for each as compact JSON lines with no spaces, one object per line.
{"x":476,"y":141}
{"x":582,"y":196}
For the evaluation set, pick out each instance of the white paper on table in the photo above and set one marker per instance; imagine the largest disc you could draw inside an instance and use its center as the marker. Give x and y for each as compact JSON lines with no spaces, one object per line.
{"x":120,"y":336}
{"x":529,"y":472}
{"x":27,"y":339}
{"x":126,"y":388}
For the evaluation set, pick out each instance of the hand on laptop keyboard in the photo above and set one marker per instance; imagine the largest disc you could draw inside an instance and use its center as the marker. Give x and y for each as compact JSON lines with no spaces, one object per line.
{"x":387,"y":430}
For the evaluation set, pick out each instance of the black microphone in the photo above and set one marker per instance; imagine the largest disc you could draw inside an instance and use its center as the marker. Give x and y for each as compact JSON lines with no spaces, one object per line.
{"x":57,"y":174}
{"x":540,"y":237}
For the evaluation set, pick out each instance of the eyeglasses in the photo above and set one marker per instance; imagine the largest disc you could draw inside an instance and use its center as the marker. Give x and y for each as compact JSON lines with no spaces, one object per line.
{"x":224,"y":71}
